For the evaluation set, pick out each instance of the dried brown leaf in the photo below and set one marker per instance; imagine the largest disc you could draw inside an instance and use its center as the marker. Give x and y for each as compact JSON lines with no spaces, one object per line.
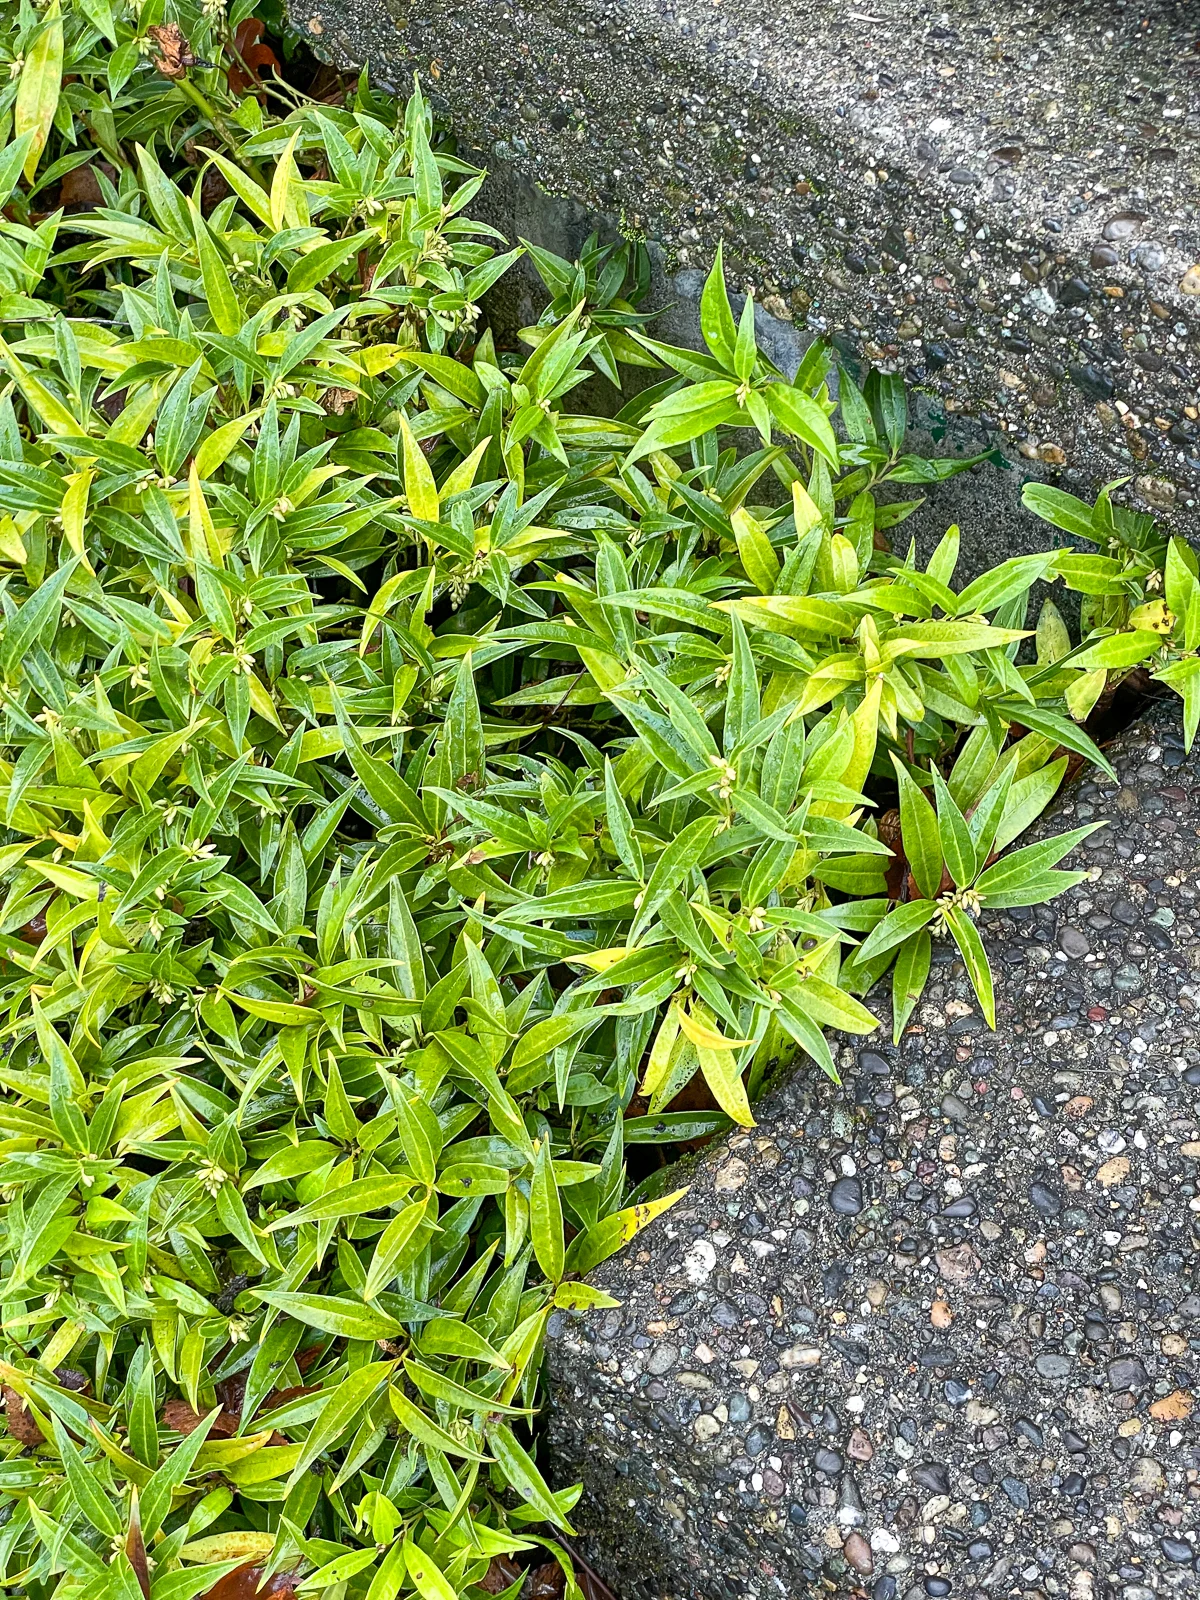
{"x":21,"y":1422}
{"x":501,"y":1575}
{"x":174,"y":52}
{"x":243,"y":1584}
{"x":546,"y":1582}
{"x":179,"y":1415}
{"x":135,"y":1548}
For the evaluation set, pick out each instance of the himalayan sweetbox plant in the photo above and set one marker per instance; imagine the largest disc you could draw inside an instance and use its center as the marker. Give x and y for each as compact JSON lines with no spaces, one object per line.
{"x":1139,"y":607}
{"x":423,"y":802}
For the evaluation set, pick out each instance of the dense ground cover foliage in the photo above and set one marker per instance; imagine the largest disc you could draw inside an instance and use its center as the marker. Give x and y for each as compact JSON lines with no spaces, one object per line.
{"x":412,"y":785}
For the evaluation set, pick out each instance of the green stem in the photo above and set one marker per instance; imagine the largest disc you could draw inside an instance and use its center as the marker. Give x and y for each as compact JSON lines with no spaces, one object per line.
{"x":210,"y":111}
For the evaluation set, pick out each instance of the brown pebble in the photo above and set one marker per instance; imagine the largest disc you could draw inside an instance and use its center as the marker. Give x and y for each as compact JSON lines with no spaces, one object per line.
{"x":731,"y":1176}
{"x":957,"y":1263}
{"x":940,"y":1314}
{"x":858,"y":1553}
{"x":1174,"y":1407}
{"x":859,"y":1446}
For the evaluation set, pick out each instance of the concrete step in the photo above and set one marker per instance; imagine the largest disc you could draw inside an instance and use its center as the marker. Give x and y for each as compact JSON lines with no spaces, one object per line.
{"x":1002,"y":204}
{"x":935,"y":1332}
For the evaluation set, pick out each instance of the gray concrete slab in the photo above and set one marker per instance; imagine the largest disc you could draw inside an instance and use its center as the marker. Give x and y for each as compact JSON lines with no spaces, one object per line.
{"x":1000,"y":202}
{"x":936,"y":1332}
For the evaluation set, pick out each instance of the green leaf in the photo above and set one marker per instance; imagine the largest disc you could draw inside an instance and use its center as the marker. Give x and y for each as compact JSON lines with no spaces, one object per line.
{"x":323,"y":261}
{"x":920,"y":832}
{"x":545,"y":1216}
{"x":754,"y":548}
{"x":802,"y":614}
{"x":464,"y":733}
{"x":958,"y":847}
{"x":1027,"y":799}
{"x":1039,"y":719}
{"x":801,"y":416}
{"x":89,"y":1496}
{"x":966,"y":937}
{"x":338,"y":1413}
{"x":1060,"y":509}
{"x":393,"y":1247}
{"x":155,"y":1499}
{"x":219,"y":292}
{"x":1053,"y":640}
{"x":36,"y":618}
{"x":419,"y":485}
{"x":897,"y":927}
{"x":446,"y":1337}
{"x":716,"y":317}
{"x":1091,"y":574}
{"x":674,"y":865}
{"x":667,"y":433}
{"x":620,"y":825}
{"x":1117,"y":651}
{"x":831,"y":1007}
{"x":354,"y":1199}
{"x":12,"y":163}
{"x":427,"y":1577}
{"x":1034,"y":859}
{"x":1010,"y":578}
{"x":336,"y":1314}
{"x":439,"y":1387}
{"x":745,"y":352}
{"x":413,"y":1420}
{"x":546,"y":1036}
{"x":39,"y":85}
{"x":521,"y":1474}
{"x":909,"y":976}
{"x":1034,"y":890}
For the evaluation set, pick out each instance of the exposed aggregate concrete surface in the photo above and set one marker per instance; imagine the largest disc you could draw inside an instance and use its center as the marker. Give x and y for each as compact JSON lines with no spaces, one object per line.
{"x":937,"y":1332}
{"x":1002,"y":202}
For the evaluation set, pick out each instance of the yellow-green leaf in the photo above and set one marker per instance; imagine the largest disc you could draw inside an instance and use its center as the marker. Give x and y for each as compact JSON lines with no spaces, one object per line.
{"x":724,"y":1078}
{"x":602,"y":1240}
{"x":704,"y":1036}
{"x":758,"y":558}
{"x":419,"y":486}
{"x":428,"y":1578}
{"x":216,"y":448}
{"x":39,"y":86}
{"x":242,"y":1546}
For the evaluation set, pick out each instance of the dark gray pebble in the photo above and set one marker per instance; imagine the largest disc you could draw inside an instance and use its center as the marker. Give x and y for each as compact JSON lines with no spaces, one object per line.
{"x":933,"y":1476}
{"x":1127,"y":1372}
